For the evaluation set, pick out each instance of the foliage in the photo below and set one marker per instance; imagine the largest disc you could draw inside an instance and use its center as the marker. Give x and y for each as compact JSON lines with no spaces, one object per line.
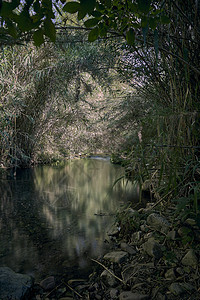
{"x":118,"y":17}
{"x":161,"y":119}
{"x":56,"y":105}
{"x":39,"y":18}
{"x":20,"y":17}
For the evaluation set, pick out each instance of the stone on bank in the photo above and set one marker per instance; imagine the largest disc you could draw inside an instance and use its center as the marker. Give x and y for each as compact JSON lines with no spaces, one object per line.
{"x":14,"y":286}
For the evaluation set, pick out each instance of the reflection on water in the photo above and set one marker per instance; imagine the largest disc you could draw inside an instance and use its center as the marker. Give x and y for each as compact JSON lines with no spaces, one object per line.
{"x":49,"y":216}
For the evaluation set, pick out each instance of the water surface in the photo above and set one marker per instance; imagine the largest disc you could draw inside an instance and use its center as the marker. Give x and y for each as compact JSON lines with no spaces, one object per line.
{"x":54,"y":219}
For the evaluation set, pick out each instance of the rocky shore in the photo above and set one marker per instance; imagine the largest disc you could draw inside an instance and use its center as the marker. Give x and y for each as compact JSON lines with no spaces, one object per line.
{"x":154,"y":254}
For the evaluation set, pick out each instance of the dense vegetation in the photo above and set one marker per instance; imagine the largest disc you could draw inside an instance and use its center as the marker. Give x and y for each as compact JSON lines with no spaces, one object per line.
{"x":133,"y":92}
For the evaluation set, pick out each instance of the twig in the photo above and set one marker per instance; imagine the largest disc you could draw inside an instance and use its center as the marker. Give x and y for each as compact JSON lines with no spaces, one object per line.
{"x":69,"y":287}
{"x":53,"y":290}
{"x":108,"y":270}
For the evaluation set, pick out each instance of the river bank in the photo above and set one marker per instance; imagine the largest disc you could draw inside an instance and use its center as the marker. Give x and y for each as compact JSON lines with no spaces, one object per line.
{"x":152,"y":256}
{"x":152,"y":253}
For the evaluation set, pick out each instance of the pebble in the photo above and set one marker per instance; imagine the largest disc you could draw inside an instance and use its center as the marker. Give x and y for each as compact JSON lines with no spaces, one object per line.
{"x":176,"y":289}
{"x":190,"y":259}
{"x":170,"y":275}
{"x":114,"y":293}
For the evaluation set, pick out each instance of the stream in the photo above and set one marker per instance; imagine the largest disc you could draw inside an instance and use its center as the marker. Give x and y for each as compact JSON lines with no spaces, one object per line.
{"x":53,"y":219}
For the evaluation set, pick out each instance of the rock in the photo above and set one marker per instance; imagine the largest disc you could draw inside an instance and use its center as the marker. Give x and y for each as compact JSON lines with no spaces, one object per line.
{"x":108,"y":278}
{"x":14,"y":286}
{"x":170,"y":275}
{"x":116,"y":256}
{"x":128,"y":248}
{"x":190,"y":221}
{"x":159,"y":296}
{"x":180,"y":271}
{"x":190,"y":259}
{"x":152,"y":248}
{"x":132,"y":296}
{"x":48,"y":283}
{"x":114,"y":294}
{"x":172,"y":235}
{"x":148,"y":235}
{"x":188,"y":287}
{"x":176,"y":289}
{"x":136,"y":237}
{"x":158,"y":223}
{"x":114,"y":231}
{"x":144,"y":226}
{"x":180,"y":288}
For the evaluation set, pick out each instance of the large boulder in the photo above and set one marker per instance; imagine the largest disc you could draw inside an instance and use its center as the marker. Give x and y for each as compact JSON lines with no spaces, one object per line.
{"x":14,"y":286}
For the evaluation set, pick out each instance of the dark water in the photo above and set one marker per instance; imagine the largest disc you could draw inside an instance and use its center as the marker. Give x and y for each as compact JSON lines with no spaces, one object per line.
{"x":50,"y":221}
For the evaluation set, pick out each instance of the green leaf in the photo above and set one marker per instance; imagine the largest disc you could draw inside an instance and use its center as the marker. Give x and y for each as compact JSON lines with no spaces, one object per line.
{"x":165,"y":20}
{"x":130,"y":36}
{"x":38,"y":37}
{"x":96,"y":14}
{"x":81,"y":15}
{"x":11,"y":29}
{"x":135,"y":25}
{"x":91,"y":22}
{"x":24,"y":21}
{"x":133,"y":7}
{"x":144,"y":6}
{"x":102,"y":30}
{"x":71,"y":7}
{"x":108,"y":3}
{"x":8,"y":7}
{"x":153,"y":23}
{"x":87,"y":6}
{"x":47,"y":8}
{"x":36,"y":6}
{"x":49,"y":29}
{"x":93,"y":35}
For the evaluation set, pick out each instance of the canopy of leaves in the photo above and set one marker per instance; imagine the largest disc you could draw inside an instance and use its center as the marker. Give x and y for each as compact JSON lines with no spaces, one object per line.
{"x":101,"y":16}
{"x":120,"y":17}
{"x":18,"y":18}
